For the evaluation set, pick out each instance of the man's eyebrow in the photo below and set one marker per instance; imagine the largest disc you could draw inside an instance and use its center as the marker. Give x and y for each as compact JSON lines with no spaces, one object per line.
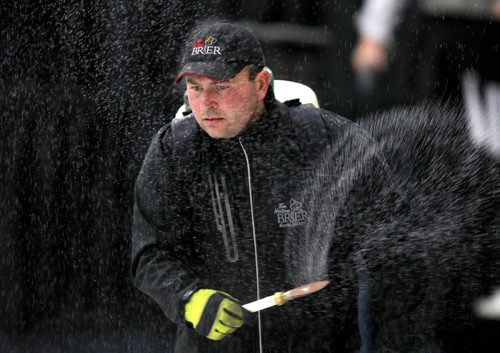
{"x":191,"y":80}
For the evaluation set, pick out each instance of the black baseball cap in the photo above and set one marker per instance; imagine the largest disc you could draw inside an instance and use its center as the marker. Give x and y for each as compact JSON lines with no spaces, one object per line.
{"x":220,"y":51}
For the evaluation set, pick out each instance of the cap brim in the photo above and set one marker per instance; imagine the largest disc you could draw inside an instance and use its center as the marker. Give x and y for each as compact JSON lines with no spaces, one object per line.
{"x":215,"y":70}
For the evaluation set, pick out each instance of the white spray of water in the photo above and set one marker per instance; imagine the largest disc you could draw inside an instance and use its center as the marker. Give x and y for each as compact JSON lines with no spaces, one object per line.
{"x":340,"y":172}
{"x":427,"y":234}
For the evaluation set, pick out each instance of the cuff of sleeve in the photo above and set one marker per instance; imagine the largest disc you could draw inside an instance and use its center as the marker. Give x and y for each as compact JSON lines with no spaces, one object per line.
{"x":185,"y":298}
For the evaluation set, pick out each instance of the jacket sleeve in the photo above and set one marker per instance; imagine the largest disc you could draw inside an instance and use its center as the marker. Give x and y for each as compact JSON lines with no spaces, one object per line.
{"x":160,"y":231}
{"x":377,"y":19}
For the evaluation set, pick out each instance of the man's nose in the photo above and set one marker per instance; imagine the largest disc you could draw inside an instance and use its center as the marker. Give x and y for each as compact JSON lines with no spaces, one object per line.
{"x":209,"y":97}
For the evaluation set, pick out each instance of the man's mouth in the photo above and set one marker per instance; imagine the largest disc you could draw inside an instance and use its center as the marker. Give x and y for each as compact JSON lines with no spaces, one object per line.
{"x":212,"y":118}
{"x":212,"y":121}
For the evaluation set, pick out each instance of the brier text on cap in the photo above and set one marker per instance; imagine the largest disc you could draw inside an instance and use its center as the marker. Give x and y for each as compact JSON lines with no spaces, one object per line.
{"x":219,"y":51}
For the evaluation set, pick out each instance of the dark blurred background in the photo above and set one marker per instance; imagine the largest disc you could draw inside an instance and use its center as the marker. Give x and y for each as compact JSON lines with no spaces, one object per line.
{"x":83,"y":87}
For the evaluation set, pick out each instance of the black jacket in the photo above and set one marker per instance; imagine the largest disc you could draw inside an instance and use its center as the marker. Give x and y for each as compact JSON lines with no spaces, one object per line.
{"x":199,"y":203}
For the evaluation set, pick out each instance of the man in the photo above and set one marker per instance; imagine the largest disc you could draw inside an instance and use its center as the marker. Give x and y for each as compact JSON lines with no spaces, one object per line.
{"x":219,"y":191}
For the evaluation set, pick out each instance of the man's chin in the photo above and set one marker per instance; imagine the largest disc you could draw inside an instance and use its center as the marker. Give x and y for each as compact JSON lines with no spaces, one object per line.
{"x":218,"y":134}
{"x":218,"y":129}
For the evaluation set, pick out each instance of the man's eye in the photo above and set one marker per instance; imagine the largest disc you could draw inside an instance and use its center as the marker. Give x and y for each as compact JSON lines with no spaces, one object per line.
{"x":195,"y":88}
{"x":221,"y":87}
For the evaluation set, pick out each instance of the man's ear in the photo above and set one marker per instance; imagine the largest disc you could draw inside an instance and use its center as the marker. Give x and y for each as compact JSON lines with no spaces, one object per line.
{"x":263,"y":79}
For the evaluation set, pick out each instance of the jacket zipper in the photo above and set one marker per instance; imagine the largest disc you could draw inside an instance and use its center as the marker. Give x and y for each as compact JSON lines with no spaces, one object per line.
{"x":220,"y":203}
{"x":254,"y":238}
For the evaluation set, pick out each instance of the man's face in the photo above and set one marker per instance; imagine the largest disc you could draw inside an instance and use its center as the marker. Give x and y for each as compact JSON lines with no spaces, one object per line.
{"x":224,"y":109}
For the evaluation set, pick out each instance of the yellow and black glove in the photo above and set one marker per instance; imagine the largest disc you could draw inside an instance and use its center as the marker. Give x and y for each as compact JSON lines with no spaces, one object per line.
{"x":213,"y":314}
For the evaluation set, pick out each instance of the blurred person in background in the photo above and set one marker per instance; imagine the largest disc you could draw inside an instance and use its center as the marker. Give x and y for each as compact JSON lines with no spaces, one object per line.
{"x":453,"y":36}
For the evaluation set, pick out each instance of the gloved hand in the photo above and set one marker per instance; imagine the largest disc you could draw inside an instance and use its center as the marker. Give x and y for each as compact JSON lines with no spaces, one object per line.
{"x":213,"y":314}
